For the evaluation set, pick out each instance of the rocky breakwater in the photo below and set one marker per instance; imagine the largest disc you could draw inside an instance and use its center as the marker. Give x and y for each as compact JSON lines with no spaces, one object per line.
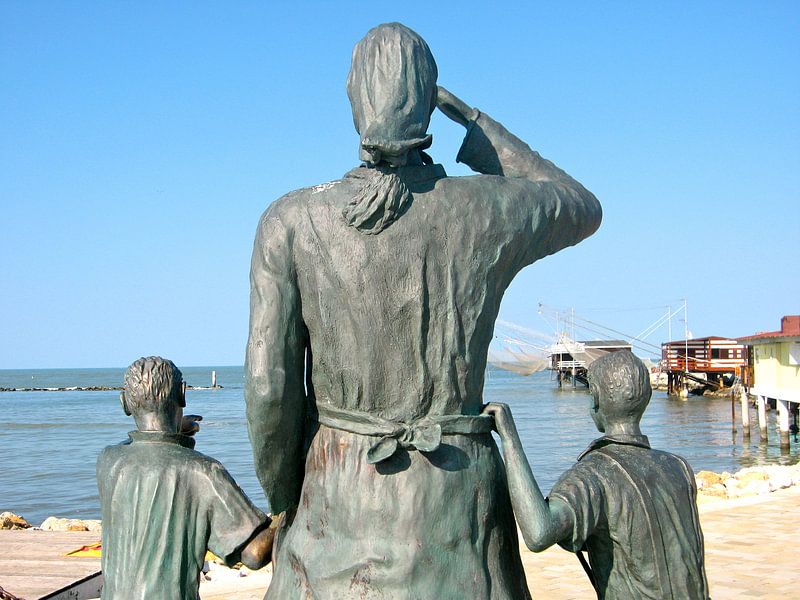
{"x":93,"y":388}
{"x":751,"y":481}
{"x":59,"y":524}
{"x":9,"y":520}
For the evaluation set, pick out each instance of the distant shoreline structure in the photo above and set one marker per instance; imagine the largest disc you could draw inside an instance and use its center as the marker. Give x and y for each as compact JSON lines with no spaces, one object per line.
{"x":51,"y":382}
{"x":95,"y":388}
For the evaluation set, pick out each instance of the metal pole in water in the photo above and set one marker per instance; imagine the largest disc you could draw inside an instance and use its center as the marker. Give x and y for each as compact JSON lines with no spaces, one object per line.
{"x":685,"y":349}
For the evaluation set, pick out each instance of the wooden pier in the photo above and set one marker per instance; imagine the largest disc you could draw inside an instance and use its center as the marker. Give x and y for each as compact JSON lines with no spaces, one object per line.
{"x":34,"y":564}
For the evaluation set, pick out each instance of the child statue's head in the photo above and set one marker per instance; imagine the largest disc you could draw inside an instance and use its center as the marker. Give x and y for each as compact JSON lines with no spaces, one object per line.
{"x":620,"y":388}
{"x":154,"y":395}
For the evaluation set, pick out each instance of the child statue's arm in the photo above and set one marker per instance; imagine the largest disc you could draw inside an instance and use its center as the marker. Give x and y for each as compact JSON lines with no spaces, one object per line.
{"x":542,"y":523}
{"x":258,"y":551}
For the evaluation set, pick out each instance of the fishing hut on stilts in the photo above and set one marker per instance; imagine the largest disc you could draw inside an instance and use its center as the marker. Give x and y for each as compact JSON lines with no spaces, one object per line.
{"x":702,"y":363}
{"x":569,"y":359}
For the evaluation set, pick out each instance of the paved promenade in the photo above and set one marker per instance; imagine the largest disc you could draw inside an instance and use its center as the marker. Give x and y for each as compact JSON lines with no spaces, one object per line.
{"x":32,"y":563}
{"x":750,"y":553}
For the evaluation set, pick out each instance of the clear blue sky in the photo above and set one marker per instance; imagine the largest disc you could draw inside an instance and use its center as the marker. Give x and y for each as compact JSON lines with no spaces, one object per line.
{"x":140,"y":142}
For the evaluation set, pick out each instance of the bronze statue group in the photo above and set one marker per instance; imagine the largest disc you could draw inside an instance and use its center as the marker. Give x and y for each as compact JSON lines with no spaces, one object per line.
{"x":373,"y":301}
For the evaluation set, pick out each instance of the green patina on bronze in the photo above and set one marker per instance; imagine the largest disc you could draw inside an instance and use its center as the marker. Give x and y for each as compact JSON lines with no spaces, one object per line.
{"x":163,"y":503}
{"x":632,"y":508}
{"x":373,"y":301}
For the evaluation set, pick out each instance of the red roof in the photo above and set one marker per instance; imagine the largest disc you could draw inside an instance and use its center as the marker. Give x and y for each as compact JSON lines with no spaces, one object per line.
{"x":709,"y":338}
{"x":790,"y":327}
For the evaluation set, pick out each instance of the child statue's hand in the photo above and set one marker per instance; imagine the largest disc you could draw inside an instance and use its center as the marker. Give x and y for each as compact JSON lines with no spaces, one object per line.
{"x":190,"y":424}
{"x":503,"y":421}
{"x":258,"y":551}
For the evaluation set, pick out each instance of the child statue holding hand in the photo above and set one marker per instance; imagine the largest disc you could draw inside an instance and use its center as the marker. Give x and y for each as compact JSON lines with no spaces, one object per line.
{"x":163,"y":504}
{"x":631,"y":507}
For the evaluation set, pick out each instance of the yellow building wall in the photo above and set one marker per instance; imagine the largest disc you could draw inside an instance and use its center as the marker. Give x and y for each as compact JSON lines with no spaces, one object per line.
{"x":772,"y":366}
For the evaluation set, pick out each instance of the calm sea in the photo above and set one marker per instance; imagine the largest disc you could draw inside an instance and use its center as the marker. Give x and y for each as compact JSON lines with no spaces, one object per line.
{"x":49,"y":441}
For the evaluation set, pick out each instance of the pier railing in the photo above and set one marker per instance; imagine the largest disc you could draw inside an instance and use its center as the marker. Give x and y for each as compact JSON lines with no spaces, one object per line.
{"x":569,"y":364}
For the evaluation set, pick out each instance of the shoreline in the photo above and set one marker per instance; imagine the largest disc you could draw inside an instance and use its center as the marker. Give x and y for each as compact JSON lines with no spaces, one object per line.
{"x":713,"y":489}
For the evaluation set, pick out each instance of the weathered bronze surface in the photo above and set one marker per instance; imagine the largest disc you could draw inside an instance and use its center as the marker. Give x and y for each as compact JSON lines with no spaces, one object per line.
{"x":373,"y":301}
{"x":631,"y":507}
{"x":163,"y":504}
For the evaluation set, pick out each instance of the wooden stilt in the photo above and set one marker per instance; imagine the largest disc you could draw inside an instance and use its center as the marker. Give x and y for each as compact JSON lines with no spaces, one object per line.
{"x":762,"y":417}
{"x":745,"y":407}
{"x":783,"y":422}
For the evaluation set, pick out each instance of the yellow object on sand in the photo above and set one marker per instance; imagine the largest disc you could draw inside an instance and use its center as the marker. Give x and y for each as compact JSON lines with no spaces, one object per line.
{"x":96,"y":551}
{"x":90,"y":551}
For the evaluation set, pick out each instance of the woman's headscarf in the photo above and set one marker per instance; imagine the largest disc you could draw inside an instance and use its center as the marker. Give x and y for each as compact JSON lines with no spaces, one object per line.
{"x":392,"y":91}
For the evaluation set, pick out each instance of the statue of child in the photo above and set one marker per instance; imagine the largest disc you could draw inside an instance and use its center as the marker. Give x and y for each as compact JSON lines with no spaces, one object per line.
{"x":163,"y":504}
{"x":631,"y":507}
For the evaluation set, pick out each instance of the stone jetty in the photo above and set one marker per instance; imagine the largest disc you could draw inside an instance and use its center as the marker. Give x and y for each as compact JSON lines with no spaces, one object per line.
{"x":93,"y":388}
{"x":751,"y":481}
